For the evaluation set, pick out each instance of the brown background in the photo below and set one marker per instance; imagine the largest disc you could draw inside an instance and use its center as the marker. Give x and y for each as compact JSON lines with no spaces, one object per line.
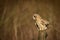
{"x":16,"y":21}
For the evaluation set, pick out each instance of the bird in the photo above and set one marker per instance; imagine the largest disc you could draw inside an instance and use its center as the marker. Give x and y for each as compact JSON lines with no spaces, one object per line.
{"x":40,"y":23}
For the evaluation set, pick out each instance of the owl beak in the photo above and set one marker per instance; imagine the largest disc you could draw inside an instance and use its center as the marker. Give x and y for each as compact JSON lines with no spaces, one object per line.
{"x":34,"y":17}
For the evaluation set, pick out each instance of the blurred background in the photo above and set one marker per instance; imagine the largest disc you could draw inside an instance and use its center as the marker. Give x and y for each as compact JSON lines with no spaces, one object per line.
{"x":16,"y":21}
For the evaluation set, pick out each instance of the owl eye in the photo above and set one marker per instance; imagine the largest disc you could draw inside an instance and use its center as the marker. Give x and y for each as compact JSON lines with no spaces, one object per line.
{"x":34,"y":16}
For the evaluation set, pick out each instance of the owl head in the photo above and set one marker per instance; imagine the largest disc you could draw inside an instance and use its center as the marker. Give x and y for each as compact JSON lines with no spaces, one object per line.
{"x":35,"y":16}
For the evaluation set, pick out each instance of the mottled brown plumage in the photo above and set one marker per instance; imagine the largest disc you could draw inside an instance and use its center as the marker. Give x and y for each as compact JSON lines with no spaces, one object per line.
{"x":41,"y":23}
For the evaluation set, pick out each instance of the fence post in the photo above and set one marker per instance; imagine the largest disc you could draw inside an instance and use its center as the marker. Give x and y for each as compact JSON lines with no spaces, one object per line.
{"x":42,"y":35}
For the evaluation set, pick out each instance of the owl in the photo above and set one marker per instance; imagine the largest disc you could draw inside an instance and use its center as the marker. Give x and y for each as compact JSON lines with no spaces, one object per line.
{"x":39,"y":22}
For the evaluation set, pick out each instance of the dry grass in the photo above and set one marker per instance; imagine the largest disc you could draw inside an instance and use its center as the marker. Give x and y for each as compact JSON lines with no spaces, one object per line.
{"x":16,"y":19}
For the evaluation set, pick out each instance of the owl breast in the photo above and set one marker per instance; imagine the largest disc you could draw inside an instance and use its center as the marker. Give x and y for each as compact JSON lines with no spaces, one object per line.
{"x":41,"y":26}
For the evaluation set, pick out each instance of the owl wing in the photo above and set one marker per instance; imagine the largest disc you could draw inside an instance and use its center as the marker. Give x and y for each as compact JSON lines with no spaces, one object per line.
{"x":37,"y":26}
{"x":45,"y":22}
